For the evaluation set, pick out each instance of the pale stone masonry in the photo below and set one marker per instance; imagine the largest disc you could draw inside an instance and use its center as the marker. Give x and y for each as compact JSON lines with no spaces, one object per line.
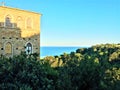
{"x":19,"y":31}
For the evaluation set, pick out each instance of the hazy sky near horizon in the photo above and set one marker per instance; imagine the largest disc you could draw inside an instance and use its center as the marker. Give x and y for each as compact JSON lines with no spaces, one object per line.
{"x":75,"y":22}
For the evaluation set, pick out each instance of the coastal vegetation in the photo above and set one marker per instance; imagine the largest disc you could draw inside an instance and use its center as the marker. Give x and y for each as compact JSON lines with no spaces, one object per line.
{"x":93,"y":68}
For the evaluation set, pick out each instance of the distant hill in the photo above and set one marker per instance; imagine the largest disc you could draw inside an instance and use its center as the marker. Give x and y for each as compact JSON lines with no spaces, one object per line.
{"x":109,"y":52}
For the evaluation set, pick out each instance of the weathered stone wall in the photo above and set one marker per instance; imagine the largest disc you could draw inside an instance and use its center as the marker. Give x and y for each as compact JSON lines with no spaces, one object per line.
{"x":14,"y":39}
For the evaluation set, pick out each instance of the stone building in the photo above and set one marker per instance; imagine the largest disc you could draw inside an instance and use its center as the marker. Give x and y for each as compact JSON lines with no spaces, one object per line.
{"x":19,"y":31}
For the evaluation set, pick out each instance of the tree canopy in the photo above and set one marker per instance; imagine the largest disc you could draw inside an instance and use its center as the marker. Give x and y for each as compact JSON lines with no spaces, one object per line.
{"x":93,"y":68}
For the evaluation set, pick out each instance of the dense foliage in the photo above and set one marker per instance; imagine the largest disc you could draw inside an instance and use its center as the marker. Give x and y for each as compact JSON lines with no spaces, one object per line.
{"x":26,"y":73}
{"x":93,"y":68}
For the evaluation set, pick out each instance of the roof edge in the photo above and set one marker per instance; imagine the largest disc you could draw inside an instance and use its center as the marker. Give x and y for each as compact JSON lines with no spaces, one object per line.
{"x":20,"y":9}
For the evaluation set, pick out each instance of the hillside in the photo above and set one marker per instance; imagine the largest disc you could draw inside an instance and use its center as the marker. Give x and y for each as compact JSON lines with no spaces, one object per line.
{"x":102,"y":52}
{"x":93,"y":68}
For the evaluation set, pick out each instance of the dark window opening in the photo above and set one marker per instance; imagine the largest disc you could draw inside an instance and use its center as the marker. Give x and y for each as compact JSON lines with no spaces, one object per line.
{"x":3,"y":37}
{"x":23,"y":38}
{"x":28,"y":48}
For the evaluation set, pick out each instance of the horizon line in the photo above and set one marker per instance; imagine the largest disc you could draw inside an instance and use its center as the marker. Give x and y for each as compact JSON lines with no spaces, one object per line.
{"x":65,"y":46}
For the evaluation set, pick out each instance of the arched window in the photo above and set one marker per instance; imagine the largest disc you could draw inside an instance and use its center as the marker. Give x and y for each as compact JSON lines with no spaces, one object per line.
{"x":8,"y":48}
{"x":29,"y":23}
{"x":28,"y":48}
{"x":19,"y":22}
{"x":8,"y":21}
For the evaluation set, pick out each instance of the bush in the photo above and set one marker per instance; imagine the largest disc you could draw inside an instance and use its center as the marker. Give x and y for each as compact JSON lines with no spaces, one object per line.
{"x":25,"y":72}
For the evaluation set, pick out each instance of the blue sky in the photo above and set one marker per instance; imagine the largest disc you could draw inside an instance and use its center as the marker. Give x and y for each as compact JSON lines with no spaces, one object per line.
{"x":75,"y":22}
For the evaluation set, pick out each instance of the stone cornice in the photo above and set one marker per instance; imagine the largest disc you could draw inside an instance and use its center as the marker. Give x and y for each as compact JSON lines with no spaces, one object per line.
{"x":19,"y":9}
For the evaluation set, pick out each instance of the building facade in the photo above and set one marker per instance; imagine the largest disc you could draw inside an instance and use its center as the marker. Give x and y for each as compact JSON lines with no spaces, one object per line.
{"x":19,"y":31}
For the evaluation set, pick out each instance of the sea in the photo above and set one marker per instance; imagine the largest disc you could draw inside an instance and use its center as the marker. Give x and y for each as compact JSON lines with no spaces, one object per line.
{"x":53,"y":51}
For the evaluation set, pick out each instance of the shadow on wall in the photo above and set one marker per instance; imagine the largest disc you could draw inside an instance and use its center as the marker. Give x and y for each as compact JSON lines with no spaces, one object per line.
{"x":12,"y":42}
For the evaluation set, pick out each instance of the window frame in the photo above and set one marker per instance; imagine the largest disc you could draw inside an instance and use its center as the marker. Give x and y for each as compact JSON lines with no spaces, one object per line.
{"x":29,"y":48}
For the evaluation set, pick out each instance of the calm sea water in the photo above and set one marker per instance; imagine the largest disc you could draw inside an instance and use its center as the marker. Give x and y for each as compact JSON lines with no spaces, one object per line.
{"x":52,"y":51}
